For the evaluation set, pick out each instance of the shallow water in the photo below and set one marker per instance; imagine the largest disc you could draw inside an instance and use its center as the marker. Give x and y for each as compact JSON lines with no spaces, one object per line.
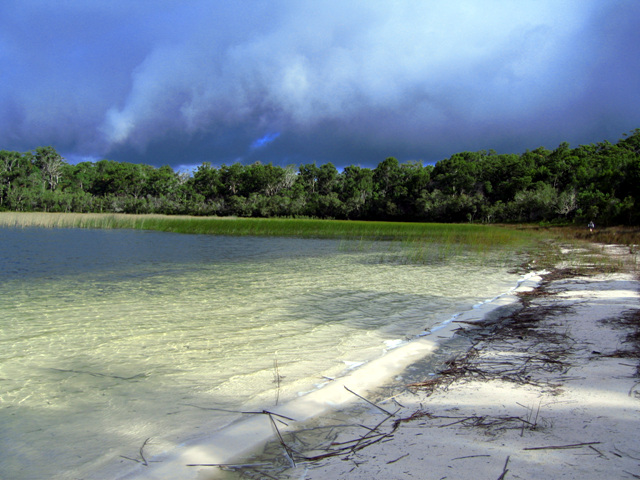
{"x":108,"y":338}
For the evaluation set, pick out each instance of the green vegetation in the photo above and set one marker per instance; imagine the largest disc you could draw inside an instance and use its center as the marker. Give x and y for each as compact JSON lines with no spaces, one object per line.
{"x":599,"y":182}
{"x":412,"y":243}
{"x":478,"y":235}
{"x":409,"y":243}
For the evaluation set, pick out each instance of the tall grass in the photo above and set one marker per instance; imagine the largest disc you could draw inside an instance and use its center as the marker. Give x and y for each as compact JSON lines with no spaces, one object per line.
{"x":413,"y":243}
{"x":479,"y":235}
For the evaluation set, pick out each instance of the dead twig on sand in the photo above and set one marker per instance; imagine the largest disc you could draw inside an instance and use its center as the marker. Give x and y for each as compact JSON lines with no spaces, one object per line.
{"x":469,"y":456}
{"x":560,"y":447}
{"x":287,"y":450}
{"x":229,"y":466}
{"x":424,"y":384}
{"x":533,"y":424}
{"x":370,"y":402}
{"x":369,"y":435}
{"x":399,"y":458}
{"x":504,"y":470}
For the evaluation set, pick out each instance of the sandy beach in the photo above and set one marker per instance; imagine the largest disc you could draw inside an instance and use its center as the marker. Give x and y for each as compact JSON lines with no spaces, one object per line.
{"x":545,"y":386}
{"x":550,"y":390}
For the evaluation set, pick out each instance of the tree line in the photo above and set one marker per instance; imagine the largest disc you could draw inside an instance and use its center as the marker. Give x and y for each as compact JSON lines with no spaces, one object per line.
{"x":599,"y":182}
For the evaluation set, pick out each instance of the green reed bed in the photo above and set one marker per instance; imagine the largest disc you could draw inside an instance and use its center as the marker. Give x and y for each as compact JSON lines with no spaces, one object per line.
{"x":420,"y":243}
{"x":479,"y":235}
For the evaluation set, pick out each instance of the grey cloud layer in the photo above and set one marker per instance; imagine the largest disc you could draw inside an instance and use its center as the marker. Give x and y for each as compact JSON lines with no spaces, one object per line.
{"x":173,"y":82}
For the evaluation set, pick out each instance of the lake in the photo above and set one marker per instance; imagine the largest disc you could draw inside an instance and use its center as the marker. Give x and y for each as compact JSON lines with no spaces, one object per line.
{"x":108,"y":338}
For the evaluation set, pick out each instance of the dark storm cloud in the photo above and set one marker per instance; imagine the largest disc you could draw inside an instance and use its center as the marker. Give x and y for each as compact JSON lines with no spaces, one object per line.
{"x":172,"y":82}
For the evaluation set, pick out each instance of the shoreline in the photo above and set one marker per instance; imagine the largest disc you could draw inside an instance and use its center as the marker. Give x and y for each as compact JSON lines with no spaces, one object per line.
{"x":245,"y":437}
{"x":549,"y":390}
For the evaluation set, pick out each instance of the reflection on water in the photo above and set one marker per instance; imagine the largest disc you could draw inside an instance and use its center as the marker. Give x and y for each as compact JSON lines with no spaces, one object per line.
{"x":111,"y":337}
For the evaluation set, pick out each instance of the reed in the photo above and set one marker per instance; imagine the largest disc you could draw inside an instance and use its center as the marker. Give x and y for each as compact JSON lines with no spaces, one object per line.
{"x":409,"y":243}
{"x":480,"y":236}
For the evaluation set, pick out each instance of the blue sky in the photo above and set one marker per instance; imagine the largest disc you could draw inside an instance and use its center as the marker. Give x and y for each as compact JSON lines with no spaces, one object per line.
{"x":179,"y":82}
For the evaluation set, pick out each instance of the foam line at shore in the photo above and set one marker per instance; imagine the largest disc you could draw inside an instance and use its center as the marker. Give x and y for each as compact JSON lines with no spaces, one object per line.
{"x":248,"y":434}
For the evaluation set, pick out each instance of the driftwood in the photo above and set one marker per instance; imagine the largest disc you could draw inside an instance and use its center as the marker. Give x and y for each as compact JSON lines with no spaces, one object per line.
{"x":288,"y":450}
{"x":399,"y":458}
{"x":526,"y":349}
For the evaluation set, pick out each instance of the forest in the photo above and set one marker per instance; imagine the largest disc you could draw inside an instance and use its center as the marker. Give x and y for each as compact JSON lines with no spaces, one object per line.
{"x":596,"y":182}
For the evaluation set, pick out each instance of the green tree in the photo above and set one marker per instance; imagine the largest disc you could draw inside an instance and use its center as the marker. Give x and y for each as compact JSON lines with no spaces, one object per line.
{"x":9,"y":171}
{"x":231,"y":177}
{"x":206,"y":181}
{"x":50,"y":164}
{"x":357,"y":188}
{"x":161,"y":182}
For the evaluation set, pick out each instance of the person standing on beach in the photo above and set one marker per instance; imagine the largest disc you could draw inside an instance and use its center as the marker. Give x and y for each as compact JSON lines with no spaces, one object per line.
{"x":591,"y":226}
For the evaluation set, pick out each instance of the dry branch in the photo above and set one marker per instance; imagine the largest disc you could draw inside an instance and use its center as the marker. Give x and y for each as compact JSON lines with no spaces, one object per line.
{"x":469,"y":456}
{"x":228,"y":465}
{"x":285,"y":447}
{"x":560,"y":447}
{"x":504,"y":470}
{"x":370,"y":402}
{"x":399,"y":458}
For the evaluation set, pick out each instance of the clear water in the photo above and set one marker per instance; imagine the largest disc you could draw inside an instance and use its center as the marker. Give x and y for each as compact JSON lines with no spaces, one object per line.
{"x":108,"y":338}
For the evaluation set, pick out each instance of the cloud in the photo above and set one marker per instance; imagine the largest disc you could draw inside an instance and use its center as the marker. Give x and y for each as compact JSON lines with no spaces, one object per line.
{"x":344,"y":81}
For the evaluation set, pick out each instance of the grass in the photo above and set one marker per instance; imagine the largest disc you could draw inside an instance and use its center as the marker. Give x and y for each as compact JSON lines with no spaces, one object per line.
{"x":416,"y":243}
{"x":480,"y":235}
{"x":412,"y":243}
